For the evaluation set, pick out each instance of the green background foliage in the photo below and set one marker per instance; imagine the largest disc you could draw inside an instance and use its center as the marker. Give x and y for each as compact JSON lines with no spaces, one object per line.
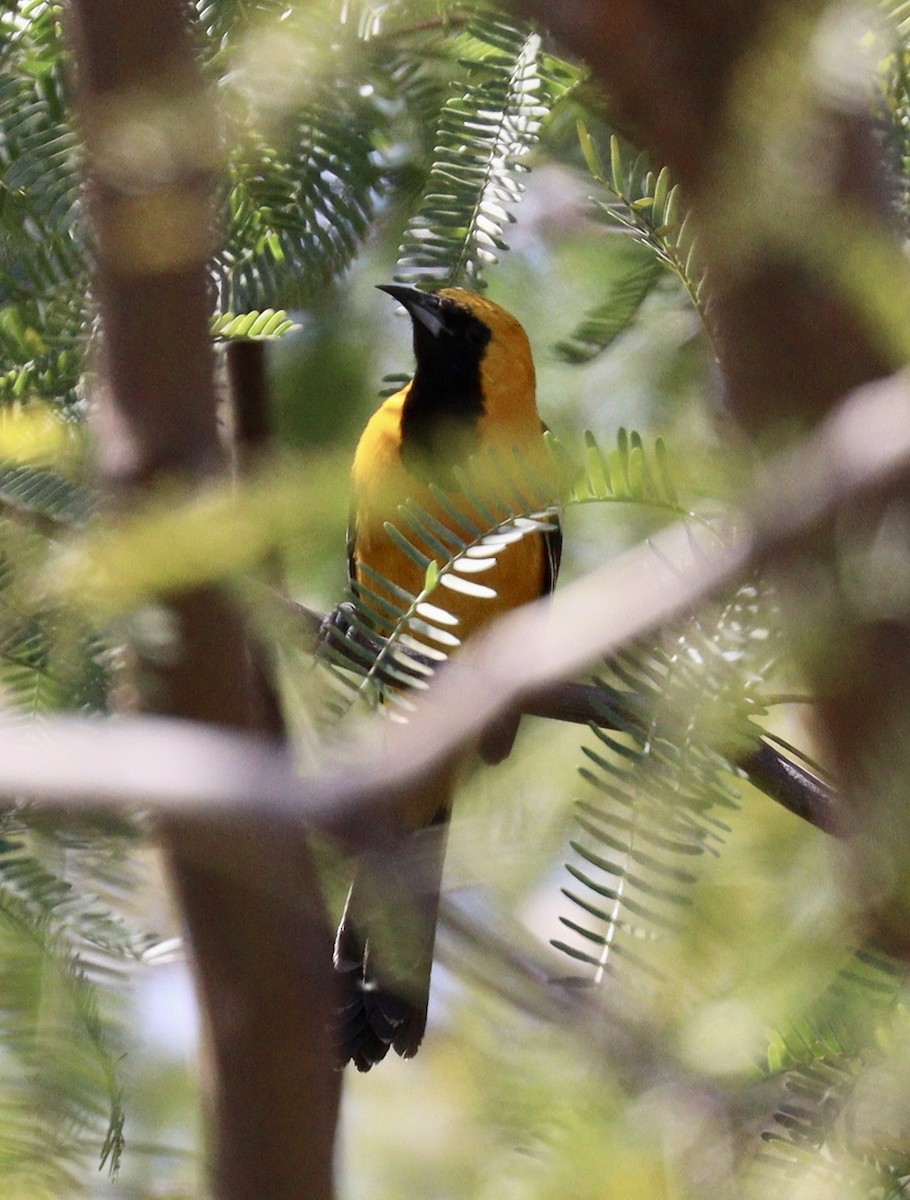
{"x":442,"y":144}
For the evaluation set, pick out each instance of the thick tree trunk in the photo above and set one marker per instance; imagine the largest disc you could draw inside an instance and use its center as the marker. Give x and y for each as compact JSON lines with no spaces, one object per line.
{"x":249,"y":897}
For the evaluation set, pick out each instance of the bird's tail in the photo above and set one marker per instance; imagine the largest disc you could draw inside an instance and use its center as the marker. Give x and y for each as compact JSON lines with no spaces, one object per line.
{"x":384,"y":949}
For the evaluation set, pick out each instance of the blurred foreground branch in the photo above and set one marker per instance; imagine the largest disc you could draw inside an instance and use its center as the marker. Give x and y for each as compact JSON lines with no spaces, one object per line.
{"x":175,"y":768}
{"x":771,"y":771}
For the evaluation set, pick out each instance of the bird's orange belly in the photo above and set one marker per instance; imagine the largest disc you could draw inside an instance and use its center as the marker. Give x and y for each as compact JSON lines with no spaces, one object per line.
{"x":517,"y":576}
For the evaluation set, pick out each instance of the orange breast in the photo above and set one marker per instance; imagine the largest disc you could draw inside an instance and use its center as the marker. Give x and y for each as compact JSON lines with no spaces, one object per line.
{"x":381,"y":483}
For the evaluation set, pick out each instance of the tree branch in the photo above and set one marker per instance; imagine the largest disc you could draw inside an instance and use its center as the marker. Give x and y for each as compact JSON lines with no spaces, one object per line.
{"x":772,"y":772}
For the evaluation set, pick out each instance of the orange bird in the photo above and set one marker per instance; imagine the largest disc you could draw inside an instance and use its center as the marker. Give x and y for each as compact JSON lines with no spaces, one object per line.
{"x":473,"y":391}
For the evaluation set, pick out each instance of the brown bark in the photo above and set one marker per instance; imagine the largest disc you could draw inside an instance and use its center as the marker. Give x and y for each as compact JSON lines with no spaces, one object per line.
{"x":262,"y":953}
{"x":789,"y":345}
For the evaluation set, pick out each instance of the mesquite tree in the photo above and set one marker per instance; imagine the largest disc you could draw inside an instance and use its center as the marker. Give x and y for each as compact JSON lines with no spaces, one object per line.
{"x":188,"y":189}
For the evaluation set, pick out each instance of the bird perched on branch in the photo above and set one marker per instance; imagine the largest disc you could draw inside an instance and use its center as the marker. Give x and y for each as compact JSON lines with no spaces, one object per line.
{"x":472,"y":399}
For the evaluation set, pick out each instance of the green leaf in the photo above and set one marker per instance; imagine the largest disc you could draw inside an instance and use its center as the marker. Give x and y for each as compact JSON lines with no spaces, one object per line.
{"x":617,"y":166}
{"x":267,"y":325}
{"x":663,"y":776}
{"x":589,"y":150}
{"x":631,"y":280}
{"x":484,"y":137}
{"x":648,"y":208}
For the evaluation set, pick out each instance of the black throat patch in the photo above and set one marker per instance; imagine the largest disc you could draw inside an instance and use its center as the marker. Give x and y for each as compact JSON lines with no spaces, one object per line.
{"x":440,"y":416}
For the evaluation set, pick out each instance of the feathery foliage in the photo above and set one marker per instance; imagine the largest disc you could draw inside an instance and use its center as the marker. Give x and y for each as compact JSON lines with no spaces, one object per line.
{"x":486,"y":132}
{"x":253,"y":326}
{"x":897,"y":12}
{"x":63,"y":947}
{"x":630,"y":473}
{"x":629,"y":287}
{"x":647,"y":208}
{"x":832,"y":1060}
{"x":42,"y":260}
{"x":45,"y":493}
{"x":62,"y":951}
{"x":663,"y":785}
{"x":299,"y":217}
{"x":893,"y":107}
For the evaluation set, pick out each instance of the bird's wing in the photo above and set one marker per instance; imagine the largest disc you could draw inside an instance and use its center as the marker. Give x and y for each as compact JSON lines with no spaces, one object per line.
{"x":552,"y":557}
{"x":351,"y":542}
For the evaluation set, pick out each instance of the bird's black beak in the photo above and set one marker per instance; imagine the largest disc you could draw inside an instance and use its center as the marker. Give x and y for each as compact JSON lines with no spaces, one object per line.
{"x":421,"y":306}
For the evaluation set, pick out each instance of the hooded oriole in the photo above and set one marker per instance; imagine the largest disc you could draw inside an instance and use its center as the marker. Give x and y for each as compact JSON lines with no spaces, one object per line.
{"x":473,"y":390}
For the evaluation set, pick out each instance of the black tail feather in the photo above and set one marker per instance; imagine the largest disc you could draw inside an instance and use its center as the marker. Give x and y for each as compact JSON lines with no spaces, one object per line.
{"x":384,"y":951}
